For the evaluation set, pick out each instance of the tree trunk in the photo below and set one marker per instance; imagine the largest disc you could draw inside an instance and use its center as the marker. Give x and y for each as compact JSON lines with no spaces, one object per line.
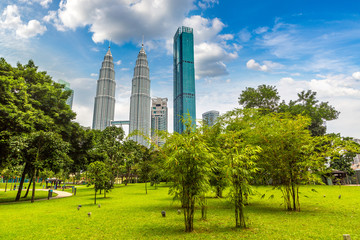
{"x":6,"y":182}
{"x":146,"y":187}
{"x":95,"y":196}
{"x":18,"y":195}
{"x":104,"y":193}
{"x":27,"y":191}
{"x":33,"y":191}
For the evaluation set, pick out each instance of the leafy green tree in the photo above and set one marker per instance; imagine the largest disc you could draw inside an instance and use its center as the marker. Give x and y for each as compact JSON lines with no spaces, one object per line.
{"x":30,"y":102}
{"x":145,"y":166}
{"x":7,"y":174}
{"x":131,"y":156}
{"x":40,"y":150}
{"x":265,"y":97}
{"x":290,"y":155}
{"x":239,"y":156}
{"x":308,"y":105}
{"x":98,"y":176}
{"x":344,"y":151}
{"x":188,"y":162}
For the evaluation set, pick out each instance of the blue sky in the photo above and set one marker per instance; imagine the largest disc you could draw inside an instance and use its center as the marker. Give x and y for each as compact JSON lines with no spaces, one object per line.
{"x":293,"y":45}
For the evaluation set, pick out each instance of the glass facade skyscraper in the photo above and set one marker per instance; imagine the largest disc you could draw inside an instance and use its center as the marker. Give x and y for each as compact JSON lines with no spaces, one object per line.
{"x":104,"y":106}
{"x":140,"y":99}
{"x":210,"y":117}
{"x":184,"y":77}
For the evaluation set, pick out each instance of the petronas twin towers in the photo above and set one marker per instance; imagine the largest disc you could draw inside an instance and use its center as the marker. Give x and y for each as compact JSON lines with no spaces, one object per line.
{"x":104,"y":106}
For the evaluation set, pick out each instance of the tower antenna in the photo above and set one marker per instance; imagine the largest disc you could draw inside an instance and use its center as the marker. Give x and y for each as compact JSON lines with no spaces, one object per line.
{"x":109,"y":42}
{"x":142,"y":43}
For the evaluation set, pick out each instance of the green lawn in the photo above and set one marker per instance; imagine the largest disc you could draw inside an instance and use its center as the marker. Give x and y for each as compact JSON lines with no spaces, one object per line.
{"x":128,"y":213}
{"x":9,"y":196}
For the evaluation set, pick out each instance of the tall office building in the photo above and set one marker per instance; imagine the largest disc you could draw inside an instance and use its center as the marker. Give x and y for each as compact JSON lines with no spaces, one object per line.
{"x":70,"y":99}
{"x":104,"y":106}
{"x":140,"y":99}
{"x":159,"y":118}
{"x":210,"y":117}
{"x":184,"y":77}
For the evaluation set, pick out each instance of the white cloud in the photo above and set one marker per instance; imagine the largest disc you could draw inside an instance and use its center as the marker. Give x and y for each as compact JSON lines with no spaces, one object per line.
{"x":123,"y":20}
{"x":261,"y":30}
{"x":32,"y":29}
{"x":207,"y":3}
{"x":268,"y":65}
{"x":326,"y":86}
{"x":356,"y":75}
{"x":11,"y":20}
{"x":251,"y":64}
{"x":118,"y":62}
{"x":212,"y":49}
{"x":94,"y":74}
{"x":340,"y":91}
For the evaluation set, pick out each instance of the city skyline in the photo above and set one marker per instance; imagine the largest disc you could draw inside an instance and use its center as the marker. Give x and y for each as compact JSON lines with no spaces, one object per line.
{"x":293,"y":45}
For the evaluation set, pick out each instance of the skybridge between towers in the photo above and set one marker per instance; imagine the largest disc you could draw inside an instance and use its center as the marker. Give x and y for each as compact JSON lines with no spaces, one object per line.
{"x":125,"y":122}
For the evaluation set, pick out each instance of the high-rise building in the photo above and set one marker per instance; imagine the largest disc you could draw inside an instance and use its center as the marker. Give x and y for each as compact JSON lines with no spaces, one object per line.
{"x":140,"y":99}
{"x":70,"y":99}
{"x":159,"y":118}
{"x":210,"y":117}
{"x":184,"y":77}
{"x":104,"y":106}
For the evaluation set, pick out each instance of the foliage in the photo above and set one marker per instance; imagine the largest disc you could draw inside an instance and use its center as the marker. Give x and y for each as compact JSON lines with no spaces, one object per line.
{"x":265,"y":97}
{"x":307,"y":105}
{"x":98,"y":176}
{"x":188,"y":162}
{"x":344,"y":151}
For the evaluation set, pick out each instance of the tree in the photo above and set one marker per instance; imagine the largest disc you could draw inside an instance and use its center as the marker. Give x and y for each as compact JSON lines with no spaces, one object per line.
{"x":290,"y":154}
{"x":188,"y":162}
{"x":131,"y":155}
{"x":344,"y":151}
{"x":239,"y":157}
{"x":98,"y":176}
{"x":265,"y":97}
{"x":308,"y":105}
{"x":29,"y":102}
{"x":40,"y":150}
{"x":145,"y":166}
{"x":6,"y":173}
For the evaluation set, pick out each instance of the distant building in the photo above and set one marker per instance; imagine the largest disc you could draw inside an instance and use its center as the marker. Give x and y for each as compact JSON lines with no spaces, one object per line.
{"x":104,"y":105}
{"x":140,"y":99}
{"x":159,"y":118}
{"x":70,"y":99}
{"x":184,"y":77}
{"x":210,"y":117}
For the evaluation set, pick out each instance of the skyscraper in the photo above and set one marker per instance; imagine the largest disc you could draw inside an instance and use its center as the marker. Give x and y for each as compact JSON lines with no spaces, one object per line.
{"x":104,"y":106}
{"x":184,"y":77}
{"x":70,"y":99}
{"x":159,"y":118}
{"x":210,"y":117}
{"x":140,"y":99}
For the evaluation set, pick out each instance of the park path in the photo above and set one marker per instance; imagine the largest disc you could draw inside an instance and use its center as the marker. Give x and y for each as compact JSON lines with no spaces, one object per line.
{"x":60,"y":194}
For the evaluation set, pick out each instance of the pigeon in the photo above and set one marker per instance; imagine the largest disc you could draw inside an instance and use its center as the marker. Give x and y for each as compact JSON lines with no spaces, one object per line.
{"x":179,"y":211}
{"x":339,"y":196}
{"x":163,"y":213}
{"x":78,"y":208}
{"x":99,"y":205}
{"x":89,"y":214}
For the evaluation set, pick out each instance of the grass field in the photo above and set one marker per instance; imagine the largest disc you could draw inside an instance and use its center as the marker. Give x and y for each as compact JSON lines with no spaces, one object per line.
{"x":127,"y":213}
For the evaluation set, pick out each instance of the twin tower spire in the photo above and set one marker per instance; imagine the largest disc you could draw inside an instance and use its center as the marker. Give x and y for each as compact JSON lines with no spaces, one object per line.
{"x":104,"y":106}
